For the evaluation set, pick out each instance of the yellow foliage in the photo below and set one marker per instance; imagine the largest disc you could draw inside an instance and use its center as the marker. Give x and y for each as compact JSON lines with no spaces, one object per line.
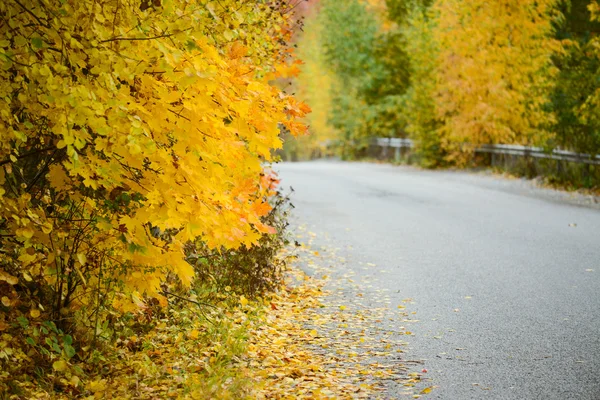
{"x":494,"y":70}
{"x":129,"y":129}
{"x":314,"y":85}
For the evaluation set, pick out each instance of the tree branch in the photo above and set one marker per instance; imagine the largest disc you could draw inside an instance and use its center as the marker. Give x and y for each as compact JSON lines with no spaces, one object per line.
{"x":166,"y":35}
{"x":31,"y":153}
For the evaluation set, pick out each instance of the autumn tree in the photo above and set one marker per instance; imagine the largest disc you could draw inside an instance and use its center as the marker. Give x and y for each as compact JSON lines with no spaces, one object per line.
{"x":314,"y":85}
{"x":129,"y":130}
{"x":495,"y":71}
{"x":349,"y":54}
{"x":418,"y":105}
{"x":366,"y":69}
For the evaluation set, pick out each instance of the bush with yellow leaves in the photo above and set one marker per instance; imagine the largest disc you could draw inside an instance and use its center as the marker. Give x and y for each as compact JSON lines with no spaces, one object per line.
{"x":127,"y":130}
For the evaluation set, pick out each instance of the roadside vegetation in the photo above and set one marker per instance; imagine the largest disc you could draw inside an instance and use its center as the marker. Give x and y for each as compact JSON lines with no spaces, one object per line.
{"x":453,"y":75}
{"x":140,"y":225}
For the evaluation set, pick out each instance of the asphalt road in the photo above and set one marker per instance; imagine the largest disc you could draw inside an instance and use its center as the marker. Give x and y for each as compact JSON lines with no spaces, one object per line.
{"x":505,"y":277}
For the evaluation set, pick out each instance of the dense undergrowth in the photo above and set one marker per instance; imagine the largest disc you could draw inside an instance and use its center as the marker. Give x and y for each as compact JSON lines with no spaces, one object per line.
{"x":190,"y":347}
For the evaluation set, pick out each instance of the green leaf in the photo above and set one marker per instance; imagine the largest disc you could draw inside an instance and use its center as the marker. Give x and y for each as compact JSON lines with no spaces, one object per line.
{"x":30,"y":341}
{"x":37,"y":42}
{"x":56,"y":348}
{"x":191,"y":45}
{"x":78,"y":370}
{"x":69,"y":350}
{"x":68,"y":339}
{"x":24,"y":322}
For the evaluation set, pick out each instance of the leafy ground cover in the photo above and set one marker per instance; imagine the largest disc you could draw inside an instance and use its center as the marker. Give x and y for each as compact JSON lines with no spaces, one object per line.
{"x":301,"y":340}
{"x":347,"y":328}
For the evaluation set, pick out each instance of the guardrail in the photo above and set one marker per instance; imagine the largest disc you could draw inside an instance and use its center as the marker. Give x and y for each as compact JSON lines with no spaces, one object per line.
{"x":505,"y":149}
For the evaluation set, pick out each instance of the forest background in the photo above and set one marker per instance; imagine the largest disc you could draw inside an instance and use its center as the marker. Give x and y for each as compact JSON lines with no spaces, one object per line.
{"x":450,"y":75}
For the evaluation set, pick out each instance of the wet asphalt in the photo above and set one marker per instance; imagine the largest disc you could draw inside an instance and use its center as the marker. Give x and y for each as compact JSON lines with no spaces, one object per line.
{"x":504,"y":277}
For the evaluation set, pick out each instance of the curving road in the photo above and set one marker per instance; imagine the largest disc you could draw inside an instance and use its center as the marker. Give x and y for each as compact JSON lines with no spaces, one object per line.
{"x":505,"y":277}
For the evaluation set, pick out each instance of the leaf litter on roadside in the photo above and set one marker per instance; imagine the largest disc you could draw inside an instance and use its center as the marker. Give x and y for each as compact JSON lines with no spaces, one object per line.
{"x":325,"y":339}
{"x":318,"y":337}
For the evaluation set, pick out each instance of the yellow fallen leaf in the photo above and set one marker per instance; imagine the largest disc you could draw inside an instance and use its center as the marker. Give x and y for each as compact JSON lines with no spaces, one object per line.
{"x":342,"y":308}
{"x":47,"y":227}
{"x":243,"y":301}
{"x":426,"y":390}
{"x":11,"y":280}
{"x":34,"y":313}
{"x":313,"y":333}
{"x":194,"y":334}
{"x":97,"y":386}
{"x":27,"y":233}
{"x":60,"y":365}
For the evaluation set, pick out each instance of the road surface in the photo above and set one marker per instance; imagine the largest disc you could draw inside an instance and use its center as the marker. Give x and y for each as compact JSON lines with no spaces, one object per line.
{"x":505,"y":277}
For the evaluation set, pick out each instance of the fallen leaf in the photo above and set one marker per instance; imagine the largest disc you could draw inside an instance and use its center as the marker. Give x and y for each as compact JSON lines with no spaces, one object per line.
{"x":8,"y":278}
{"x":60,"y":365}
